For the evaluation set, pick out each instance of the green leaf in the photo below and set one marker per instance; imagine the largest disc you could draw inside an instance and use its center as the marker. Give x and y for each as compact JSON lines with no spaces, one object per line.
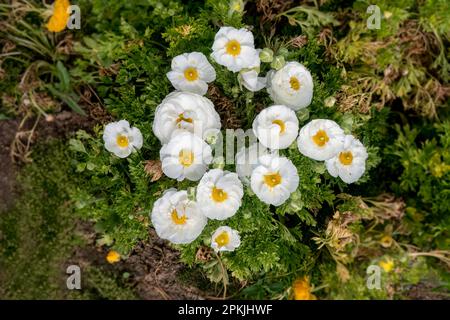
{"x":63,"y":76}
{"x":77,"y":146}
{"x":67,"y":99}
{"x":73,"y":105}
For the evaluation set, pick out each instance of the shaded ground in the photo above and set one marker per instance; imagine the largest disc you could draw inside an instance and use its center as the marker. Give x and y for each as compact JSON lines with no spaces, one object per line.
{"x":8,"y":130}
{"x":152,"y":270}
{"x":426,"y":291}
{"x":60,"y":126}
{"x":156,"y":269}
{"x":40,"y":237}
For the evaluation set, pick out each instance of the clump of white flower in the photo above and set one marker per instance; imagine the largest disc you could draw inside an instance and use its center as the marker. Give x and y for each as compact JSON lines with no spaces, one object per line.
{"x":184,"y":111}
{"x":350,"y":163}
{"x":121,"y":139}
{"x":274,"y":179}
{"x":225,"y":239}
{"x":291,"y":86}
{"x":187,"y":124}
{"x":191,"y":72}
{"x":176,"y":218}
{"x":235,"y":49}
{"x":320,"y":139}
{"x":276,"y":127}
{"x":185,"y":156}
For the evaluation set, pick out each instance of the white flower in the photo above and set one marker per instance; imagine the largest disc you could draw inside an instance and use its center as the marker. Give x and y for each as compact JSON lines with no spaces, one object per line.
{"x":251,"y":81}
{"x":184,"y":111}
{"x":176,"y":218}
{"x":185,"y":156}
{"x":235,"y":49}
{"x":350,"y":163}
{"x":247,"y":160}
{"x":274,"y":179}
{"x":320,"y":139}
{"x":191,"y":72}
{"x":292,"y":86}
{"x":276,"y":127}
{"x":225,"y":239}
{"x":219,"y":194}
{"x":120,"y":139}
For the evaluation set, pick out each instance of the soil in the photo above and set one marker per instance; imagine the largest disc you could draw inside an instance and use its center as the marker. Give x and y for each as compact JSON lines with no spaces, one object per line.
{"x":154,"y":267}
{"x":61,"y":125}
{"x":424,"y":291}
{"x":21,"y":135}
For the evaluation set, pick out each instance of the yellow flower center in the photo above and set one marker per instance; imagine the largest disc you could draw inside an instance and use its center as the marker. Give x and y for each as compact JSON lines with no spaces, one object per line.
{"x":113,"y":256}
{"x":177,"y":219}
{"x":281,"y":124}
{"x":346,"y":158}
{"x":222,"y":239}
{"x":295,"y":84}
{"x":233,"y":48}
{"x":122,"y":141}
{"x":218,"y":195}
{"x":191,"y":74}
{"x":182,"y":118}
{"x":320,"y":138}
{"x":186,"y":158}
{"x":272,"y":179}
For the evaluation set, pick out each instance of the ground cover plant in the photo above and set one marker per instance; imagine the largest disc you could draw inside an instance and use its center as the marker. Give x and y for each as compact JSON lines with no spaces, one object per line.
{"x":346,"y":198}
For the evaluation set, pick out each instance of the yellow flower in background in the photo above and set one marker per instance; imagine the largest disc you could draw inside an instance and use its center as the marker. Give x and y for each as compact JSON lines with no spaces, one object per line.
{"x":437,"y":167}
{"x":386,"y":241}
{"x":387,"y":264}
{"x":237,"y":6}
{"x":58,"y":20}
{"x":302,"y":290}
{"x":113,"y":256}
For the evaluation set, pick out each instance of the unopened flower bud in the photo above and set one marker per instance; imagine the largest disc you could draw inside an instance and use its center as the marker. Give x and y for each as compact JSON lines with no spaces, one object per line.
{"x":278,"y":62}
{"x":266,"y":55}
{"x":303,"y":114}
{"x":330,"y":102}
{"x":218,"y":163}
{"x":283,"y":52}
{"x":211,"y":136}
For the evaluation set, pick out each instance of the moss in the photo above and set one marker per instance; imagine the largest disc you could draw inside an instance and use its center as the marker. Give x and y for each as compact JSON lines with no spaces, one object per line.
{"x":39,"y":235}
